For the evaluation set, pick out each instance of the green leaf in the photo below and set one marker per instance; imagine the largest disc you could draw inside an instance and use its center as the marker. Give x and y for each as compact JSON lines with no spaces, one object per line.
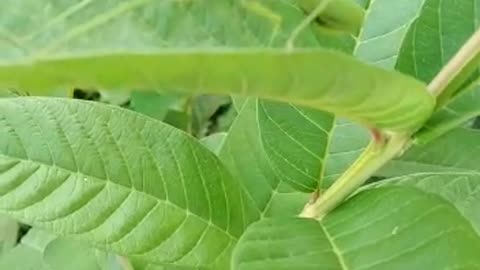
{"x":214,"y":142}
{"x":119,"y":180}
{"x":343,"y":15}
{"x":28,"y":255}
{"x":303,"y":144}
{"x":295,"y":140}
{"x":463,"y":74}
{"x":23,"y":257}
{"x":456,"y":151}
{"x":178,"y":119}
{"x":289,"y":131}
{"x":380,"y":228}
{"x":243,"y":155}
{"x":205,"y":107}
{"x":224,"y":119}
{"x":8,"y":233}
{"x":439,"y":32}
{"x":117,"y":97}
{"x":153,"y":104}
{"x":63,"y":254}
{"x":386,"y":25}
{"x":363,"y":3}
{"x":10,"y":93}
{"x":38,"y":239}
{"x":460,"y":109}
{"x":42,"y":250}
{"x":238,"y":102}
{"x":168,"y":267}
{"x":383,"y":32}
{"x":253,"y":169}
{"x":181,"y":24}
{"x":286,"y":202}
{"x":50,"y":57}
{"x":462,"y":189}
{"x":347,"y":142}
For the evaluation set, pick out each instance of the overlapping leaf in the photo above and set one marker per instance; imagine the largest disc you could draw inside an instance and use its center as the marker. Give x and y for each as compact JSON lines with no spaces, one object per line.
{"x":8,"y":233}
{"x":296,"y":141}
{"x":456,"y":151}
{"x":305,"y":146}
{"x":379,"y":42}
{"x":460,"y":109}
{"x":63,"y":254}
{"x":204,"y":110}
{"x":462,"y":189}
{"x":214,"y":142}
{"x":243,"y":155}
{"x":380,"y":228}
{"x":154,"y":104}
{"x":141,"y":25}
{"x":120,"y":180}
{"x":286,"y":201}
{"x":23,"y":257}
{"x":439,"y":32}
{"x":28,"y":254}
{"x":348,"y":140}
{"x":295,"y":138}
{"x":386,"y":25}
{"x":447,"y":166}
{"x":40,"y":250}
{"x":118,"y":170}
{"x":343,"y":15}
{"x":68,"y":51}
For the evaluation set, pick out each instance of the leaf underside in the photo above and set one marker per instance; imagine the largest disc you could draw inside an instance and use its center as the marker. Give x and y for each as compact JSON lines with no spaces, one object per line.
{"x":462,"y":189}
{"x":119,"y":180}
{"x":140,"y":188}
{"x":442,"y":155}
{"x":380,"y":228}
{"x":324,"y":147}
{"x":295,"y":140}
{"x":125,"y":45}
{"x":459,"y":110}
{"x":440,"y":30}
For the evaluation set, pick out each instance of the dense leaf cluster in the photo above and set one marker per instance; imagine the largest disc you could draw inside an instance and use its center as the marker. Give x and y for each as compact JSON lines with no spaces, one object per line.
{"x":182,"y":135}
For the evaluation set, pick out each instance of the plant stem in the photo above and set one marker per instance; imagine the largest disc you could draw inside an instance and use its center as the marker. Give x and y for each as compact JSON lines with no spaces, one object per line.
{"x":372,"y":159}
{"x":455,"y":66}
{"x":379,"y":152}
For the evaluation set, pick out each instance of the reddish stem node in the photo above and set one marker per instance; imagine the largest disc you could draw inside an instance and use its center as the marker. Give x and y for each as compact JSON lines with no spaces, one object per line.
{"x":377,"y":135}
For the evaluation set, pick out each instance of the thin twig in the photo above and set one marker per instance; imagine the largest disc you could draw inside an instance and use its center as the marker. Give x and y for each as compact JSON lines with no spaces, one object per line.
{"x":463,"y":57}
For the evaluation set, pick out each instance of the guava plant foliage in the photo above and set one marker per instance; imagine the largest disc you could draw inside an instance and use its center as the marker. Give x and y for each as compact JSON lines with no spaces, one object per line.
{"x":329,"y":95}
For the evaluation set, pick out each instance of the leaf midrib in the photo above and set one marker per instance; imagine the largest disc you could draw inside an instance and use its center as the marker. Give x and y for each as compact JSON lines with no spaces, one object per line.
{"x":94,"y":22}
{"x":335,"y":249}
{"x":130,"y":189}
